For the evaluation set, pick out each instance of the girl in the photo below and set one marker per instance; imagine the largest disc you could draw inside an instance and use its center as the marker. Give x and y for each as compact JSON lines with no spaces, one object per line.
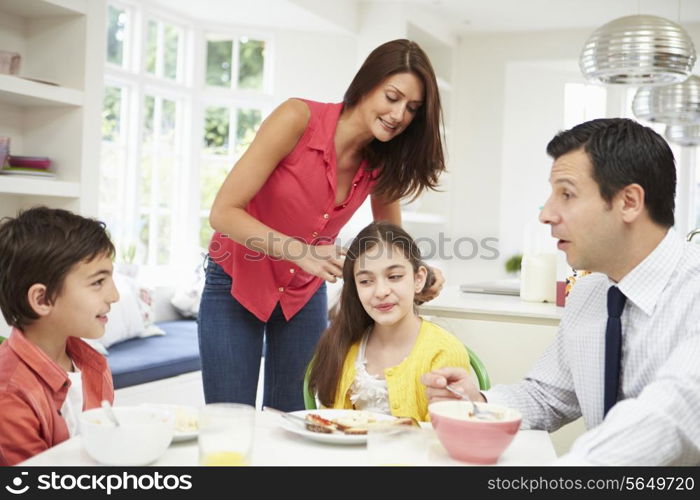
{"x":376,"y":349}
{"x":309,"y":168}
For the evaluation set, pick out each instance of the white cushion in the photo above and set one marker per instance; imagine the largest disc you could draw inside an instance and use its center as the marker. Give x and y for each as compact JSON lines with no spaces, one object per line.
{"x":188,"y":294}
{"x":132,"y":315}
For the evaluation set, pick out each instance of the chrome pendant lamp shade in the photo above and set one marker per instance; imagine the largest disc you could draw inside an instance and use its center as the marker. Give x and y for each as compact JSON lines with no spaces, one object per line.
{"x":638,"y":50}
{"x":685,"y":135}
{"x":673,"y":104}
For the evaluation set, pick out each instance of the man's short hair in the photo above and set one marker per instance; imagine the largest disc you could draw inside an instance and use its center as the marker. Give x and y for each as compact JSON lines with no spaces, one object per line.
{"x":623,"y":152}
{"x":42,"y":245}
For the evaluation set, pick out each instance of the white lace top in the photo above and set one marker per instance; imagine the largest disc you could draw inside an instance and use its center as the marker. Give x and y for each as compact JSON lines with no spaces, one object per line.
{"x":368,"y":392}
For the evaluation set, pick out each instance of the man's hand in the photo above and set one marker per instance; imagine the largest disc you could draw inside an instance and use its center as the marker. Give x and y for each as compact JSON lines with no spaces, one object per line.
{"x":458,"y":378}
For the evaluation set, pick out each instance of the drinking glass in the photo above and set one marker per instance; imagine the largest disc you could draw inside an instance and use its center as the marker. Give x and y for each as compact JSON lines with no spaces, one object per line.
{"x":226,"y":434}
{"x":395,"y":445}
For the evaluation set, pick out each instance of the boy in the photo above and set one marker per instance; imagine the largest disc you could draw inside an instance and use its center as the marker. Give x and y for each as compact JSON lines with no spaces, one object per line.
{"x":55,"y":288}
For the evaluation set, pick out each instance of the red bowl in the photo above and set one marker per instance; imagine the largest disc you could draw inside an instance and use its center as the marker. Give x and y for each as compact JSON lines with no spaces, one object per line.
{"x":471,"y":440}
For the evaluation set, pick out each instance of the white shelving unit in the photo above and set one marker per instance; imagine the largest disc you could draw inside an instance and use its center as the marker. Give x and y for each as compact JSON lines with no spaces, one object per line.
{"x":60,"y":42}
{"x":28,"y":186}
{"x":20,"y":92}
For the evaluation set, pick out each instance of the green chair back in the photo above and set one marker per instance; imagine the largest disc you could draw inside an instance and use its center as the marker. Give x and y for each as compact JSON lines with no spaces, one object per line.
{"x":479,"y":369}
{"x":474,"y":360}
{"x":309,"y":398}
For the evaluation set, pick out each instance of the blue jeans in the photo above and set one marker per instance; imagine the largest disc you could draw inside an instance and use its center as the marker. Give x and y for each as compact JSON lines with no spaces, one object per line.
{"x":231,"y":344}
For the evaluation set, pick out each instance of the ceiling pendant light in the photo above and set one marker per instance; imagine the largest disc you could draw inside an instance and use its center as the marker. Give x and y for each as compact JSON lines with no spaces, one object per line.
{"x":673,"y":104}
{"x":638,"y":50}
{"x":685,"y":135}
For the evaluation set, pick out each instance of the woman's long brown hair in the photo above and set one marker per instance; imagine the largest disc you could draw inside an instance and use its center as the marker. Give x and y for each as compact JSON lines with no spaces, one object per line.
{"x":413,"y":161}
{"x":350,"y":321}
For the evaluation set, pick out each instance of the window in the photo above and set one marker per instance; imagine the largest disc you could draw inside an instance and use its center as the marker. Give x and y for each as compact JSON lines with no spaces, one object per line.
{"x":116,"y":34}
{"x":235,"y":63}
{"x":235,"y":80}
{"x":163,"y":49}
{"x":585,"y":102}
{"x":697,"y":193}
{"x":160,"y":165}
{"x":686,"y":209}
{"x":167,"y":142}
{"x":113,"y":164}
{"x":227,"y":134}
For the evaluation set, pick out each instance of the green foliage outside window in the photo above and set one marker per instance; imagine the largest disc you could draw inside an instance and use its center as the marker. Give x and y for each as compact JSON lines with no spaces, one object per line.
{"x":216,"y":130}
{"x":251,"y":55}
{"x":170,"y":51}
{"x":116,"y":20}
{"x":151,"y":47}
{"x":111,"y":113}
{"x":247,"y":126}
{"x":251,"y":63}
{"x":219,"y":55}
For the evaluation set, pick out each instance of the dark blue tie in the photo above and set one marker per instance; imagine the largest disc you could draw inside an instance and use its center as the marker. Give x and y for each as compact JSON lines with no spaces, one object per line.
{"x":613,"y":347}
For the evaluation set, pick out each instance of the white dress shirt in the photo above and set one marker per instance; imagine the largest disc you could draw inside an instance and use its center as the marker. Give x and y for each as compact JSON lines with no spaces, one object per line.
{"x":657,"y":418}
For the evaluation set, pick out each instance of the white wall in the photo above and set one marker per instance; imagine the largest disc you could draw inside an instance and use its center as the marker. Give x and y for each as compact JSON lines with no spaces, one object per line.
{"x":315,"y":66}
{"x":509,"y":103}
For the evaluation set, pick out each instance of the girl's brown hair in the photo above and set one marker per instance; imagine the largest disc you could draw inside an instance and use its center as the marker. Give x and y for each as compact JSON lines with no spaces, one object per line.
{"x":412,"y":161}
{"x":350,"y":321}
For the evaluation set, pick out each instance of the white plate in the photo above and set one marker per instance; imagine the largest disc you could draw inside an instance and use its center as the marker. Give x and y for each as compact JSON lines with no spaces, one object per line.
{"x":181,"y":412}
{"x":334,"y":438}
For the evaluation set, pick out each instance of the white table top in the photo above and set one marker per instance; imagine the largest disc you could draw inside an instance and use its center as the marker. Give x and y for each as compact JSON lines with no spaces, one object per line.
{"x":454,"y":303}
{"x":276,"y":446}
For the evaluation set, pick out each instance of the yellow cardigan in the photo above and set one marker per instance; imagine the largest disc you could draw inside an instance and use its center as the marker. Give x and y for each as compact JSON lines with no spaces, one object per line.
{"x":434,"y":348}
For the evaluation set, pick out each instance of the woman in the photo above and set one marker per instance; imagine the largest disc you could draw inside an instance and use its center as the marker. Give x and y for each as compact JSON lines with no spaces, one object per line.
{"x":310,"y":166}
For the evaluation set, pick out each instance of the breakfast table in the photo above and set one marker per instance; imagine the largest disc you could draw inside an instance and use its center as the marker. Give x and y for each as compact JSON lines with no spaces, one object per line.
{"x":276,"y":446}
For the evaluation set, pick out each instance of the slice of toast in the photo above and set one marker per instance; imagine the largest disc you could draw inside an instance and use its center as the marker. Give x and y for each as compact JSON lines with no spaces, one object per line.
{"x":322,"y":429}
{"x":316,"y":423}
{"x":355,"y":431}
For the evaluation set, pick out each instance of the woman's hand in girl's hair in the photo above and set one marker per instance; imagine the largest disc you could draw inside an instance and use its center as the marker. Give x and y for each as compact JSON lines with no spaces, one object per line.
{"x":324,"y":261}
{"x":433,"y":285}
{"x":458,"y":378}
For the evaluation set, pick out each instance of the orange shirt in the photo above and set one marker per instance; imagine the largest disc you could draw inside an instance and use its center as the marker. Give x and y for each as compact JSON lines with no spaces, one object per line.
{"x":33,"y":388}
{"x":298,"y":200}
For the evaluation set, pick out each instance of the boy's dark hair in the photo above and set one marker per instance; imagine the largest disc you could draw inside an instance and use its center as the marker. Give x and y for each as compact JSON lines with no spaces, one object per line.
{"x":624,"y":152}
{"x":41,"y":245}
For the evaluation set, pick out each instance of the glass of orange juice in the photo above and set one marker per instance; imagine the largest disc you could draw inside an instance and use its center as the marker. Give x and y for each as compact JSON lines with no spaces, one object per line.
{"x":226,"y":434}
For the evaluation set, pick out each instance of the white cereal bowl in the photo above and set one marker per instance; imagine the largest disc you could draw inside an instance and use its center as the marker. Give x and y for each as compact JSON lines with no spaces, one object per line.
{"x":141,"y":438}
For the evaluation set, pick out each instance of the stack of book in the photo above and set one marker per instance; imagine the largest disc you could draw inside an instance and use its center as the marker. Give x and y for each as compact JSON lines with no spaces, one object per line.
{"x":28,"y":165}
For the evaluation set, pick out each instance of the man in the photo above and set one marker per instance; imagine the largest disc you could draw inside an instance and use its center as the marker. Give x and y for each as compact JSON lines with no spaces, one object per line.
{"x":627,"y":353}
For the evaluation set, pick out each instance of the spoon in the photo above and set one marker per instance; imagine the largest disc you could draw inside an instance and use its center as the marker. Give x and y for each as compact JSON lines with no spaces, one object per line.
{"x":479,"y":413}
{"x":110,"y":413}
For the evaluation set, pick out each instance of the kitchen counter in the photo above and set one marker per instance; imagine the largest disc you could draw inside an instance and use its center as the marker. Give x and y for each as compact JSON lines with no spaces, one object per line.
{"x":452,"y":303}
